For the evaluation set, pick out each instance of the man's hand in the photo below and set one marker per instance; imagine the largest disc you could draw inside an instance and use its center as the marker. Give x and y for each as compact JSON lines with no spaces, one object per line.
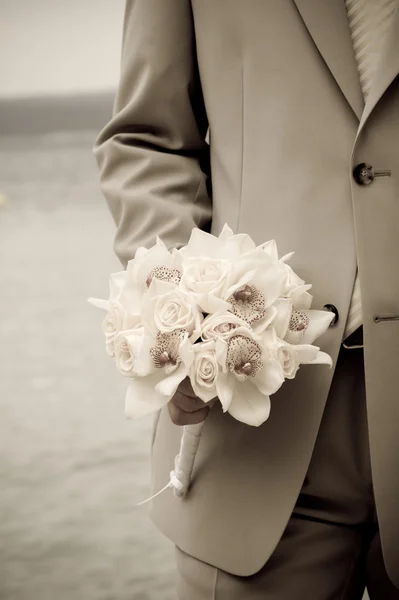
{"x":185,"y":408}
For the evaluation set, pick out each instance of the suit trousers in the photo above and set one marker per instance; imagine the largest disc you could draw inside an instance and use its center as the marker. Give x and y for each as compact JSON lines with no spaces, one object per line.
{"x":331,"y":547}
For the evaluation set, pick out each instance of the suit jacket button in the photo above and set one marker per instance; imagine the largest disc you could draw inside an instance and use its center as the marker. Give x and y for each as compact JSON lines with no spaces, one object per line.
{"x":363,"y":174}
{"x":332,"y":308}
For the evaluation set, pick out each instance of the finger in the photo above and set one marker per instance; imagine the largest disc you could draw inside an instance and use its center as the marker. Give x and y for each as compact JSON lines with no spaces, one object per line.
{"x":181,"y":417}
{"x":186,"y":388}
{"x":187,"y":403}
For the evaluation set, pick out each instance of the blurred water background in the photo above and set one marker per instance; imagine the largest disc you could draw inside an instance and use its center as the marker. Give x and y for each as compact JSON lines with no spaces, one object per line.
{"x":72,"y":467}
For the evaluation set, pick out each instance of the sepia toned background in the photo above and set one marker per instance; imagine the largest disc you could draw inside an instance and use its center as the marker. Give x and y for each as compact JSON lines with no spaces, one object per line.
{"x":72,"y":467}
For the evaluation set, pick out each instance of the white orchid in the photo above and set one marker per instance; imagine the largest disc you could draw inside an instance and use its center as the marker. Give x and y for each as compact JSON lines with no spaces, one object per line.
{"x":250,"y":373}
{"x":157,"y":262}
{"x":159,"y":369}
{"x":306,"y":325}
{"x":257,"y":282}
{"x":291,"y":356}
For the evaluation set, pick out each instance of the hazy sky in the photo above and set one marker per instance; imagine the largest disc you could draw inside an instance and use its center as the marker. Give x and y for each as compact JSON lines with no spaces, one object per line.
{"x":53,"y":46}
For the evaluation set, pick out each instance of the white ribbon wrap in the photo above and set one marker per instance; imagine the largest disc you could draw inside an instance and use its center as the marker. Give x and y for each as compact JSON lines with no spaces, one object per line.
{"x":180,"y":477}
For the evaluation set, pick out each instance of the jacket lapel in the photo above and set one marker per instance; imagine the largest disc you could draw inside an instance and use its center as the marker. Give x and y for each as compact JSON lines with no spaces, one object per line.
{"x":327,"y":23}
{"x":386,"y":69}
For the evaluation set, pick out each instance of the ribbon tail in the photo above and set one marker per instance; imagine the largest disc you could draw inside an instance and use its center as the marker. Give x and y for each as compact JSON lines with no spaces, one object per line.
{"x":168,"y":485}
{"x":184,"y":463}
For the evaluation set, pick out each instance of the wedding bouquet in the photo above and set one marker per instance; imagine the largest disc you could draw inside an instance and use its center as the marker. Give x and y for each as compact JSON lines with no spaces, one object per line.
{"x":230,"y":315}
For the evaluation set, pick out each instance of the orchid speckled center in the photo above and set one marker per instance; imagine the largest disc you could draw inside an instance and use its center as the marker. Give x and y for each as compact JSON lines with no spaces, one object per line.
{"x":248,"y":303}
{"x":165,"y":353}
{"x":164,"y":274}
{"x":244,"y":356}
{"x":298,"y":325}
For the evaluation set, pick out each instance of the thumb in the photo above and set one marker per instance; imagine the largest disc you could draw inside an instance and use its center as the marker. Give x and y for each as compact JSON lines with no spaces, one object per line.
{"x":186,"y":388}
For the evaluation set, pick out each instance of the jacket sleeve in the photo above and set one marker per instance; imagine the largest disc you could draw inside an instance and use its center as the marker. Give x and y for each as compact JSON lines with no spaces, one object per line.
{"x":152,"y":155}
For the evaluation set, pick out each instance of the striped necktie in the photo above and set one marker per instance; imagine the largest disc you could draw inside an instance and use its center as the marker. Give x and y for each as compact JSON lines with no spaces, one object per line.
{"x":368,"y":22}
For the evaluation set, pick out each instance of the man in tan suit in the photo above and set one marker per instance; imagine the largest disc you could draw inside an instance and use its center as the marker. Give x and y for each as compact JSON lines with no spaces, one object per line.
{"x":303,"y":148}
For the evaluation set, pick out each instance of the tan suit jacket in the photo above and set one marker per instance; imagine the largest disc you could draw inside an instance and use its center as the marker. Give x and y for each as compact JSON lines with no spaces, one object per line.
{"x":277,"y":84}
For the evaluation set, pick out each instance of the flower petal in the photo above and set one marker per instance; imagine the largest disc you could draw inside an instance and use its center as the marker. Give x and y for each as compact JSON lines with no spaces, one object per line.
{"x":243,"y":279}
{"x":116,"y":284}
{"x":142,"y":398}
{"x":287,"y":257}
{"x":249,"y":405}
{"x":271,"y":282}
{"x":226,"y":233}
{"x":270,"y":378}
{"x":144,"y":364}
{"x":225,"y":385}
{"x":206,"y":395}
{"x":186,"y":352}
{"x":221,"y":352}
{"x":306,"y":352}
{"x":99,"y":303}
{"x":156,"y":289}
{"x":134,"y":339}
{"x":263,"y":323}
{"x":301,"y":297}
{"x":156,"y":256}
{"x":282,"y":319}
{"x":211,"y":304}
{"x":257,"y":261}
{"x":202,"y":243}
{"x":159,"y":242}
{"x":168,"y":386}
{"x":269,"y":340}
{"x":322,"y":358}
{"x":271,"y":248}
{"x":319,"y":321}
{"x":238,"y":244}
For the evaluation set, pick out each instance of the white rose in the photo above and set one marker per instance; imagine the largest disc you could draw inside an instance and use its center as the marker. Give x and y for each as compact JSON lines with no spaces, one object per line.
{"x":204,"y":370}
{"x":208,"y":280}
{"x":289,"y":360}
{"x":116,"y":320}
{"x":127,"y":346}
{"x":175,"y":311}
{"x":220,"y":325}
{"x":295,"y":288}
{"x":292,"y":356}
{"x":166,"y":309}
